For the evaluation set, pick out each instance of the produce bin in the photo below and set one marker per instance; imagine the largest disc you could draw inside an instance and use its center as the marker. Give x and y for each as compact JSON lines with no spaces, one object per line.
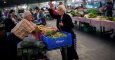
{"x":54,"y":43}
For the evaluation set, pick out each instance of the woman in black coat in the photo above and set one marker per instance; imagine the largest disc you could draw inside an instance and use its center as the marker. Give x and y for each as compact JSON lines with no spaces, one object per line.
{"x":64,"y":23}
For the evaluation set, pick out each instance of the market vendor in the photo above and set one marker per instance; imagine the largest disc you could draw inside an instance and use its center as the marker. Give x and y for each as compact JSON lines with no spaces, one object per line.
{"x":21,"y":30}
{"x":64,"y":23}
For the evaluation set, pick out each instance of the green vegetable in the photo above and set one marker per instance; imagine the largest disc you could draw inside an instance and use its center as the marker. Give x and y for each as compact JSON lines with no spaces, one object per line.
{"x":114,"y":19}
{"x":92,"y":11}
{"x":90,"y":15}
{"x":110,"y":18}
{"x":56,"y":35}
{"x":48,"y":32}
{"x":101,"y":18}
{"x":75,"y":13}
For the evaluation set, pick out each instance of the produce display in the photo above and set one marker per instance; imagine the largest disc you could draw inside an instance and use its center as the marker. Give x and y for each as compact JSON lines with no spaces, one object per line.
{"x":110,"y":18}
{"x":114,"y":20}
{"x":93,"y":14}
{"x":101,"y":18}
{"x":74,"y":13}
{"x":50,"y":32}
{"x":105,"y":18}
{"x":92,"y":11}
{"x":46,"y":30}
{"x":90,"y":15}
{"x":56,"y":35}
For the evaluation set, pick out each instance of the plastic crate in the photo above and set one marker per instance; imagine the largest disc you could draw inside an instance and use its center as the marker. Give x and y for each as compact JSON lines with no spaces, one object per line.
{"x":54,"y":43}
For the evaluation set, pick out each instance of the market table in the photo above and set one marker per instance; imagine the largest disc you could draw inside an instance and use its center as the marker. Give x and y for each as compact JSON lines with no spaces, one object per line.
{"x":101,"y":25}
{"x":80,"y":20}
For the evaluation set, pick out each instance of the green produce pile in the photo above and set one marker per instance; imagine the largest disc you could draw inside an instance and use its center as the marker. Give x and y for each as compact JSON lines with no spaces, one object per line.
{"x":110,"y":18}
{"x":48,"y":32}
{"x":92,"y":11}
{"x":75,"y":13}
{"x":114,"y":20}
{"x":101,"y":18}
{"x":56,"y":35}
{"x":90,"y":15}
{"x":105,"y":18}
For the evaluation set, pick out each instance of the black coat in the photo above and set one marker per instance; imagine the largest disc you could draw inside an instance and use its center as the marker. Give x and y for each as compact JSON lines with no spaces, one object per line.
{"x":66,"y":20}
{"x":9,"y":24}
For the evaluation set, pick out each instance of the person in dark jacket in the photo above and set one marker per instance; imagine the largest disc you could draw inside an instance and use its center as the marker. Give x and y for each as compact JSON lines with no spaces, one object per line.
{"x":64,"y":23}
{"x":109,"y":8}
{"x":10,"y":22}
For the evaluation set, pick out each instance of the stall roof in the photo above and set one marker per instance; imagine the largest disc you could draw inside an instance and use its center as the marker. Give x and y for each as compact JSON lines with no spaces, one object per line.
{"x":8,"y":3}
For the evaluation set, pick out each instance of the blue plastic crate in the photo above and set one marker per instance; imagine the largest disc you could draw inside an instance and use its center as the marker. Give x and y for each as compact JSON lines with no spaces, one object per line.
{"x":55,"y":43}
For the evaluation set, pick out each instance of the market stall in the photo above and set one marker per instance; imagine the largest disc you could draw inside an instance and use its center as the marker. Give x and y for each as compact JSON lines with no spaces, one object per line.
{"x":100,"y":25}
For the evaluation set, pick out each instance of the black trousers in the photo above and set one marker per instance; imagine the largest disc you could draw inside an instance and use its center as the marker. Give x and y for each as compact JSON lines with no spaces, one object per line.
{"x":71,"y":51}
{"x":11,"y":46}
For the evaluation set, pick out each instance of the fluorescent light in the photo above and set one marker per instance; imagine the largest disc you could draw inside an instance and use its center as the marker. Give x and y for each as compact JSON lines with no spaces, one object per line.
{"x":4,"y":1}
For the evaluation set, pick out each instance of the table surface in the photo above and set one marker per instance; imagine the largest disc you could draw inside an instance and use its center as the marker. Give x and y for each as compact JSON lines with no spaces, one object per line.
{"x":97,"y":23}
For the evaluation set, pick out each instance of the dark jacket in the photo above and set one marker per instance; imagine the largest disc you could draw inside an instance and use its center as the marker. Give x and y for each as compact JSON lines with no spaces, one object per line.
{"x":109,"y":6}
{"x":66,"y":20}
{"x":9,"y":24}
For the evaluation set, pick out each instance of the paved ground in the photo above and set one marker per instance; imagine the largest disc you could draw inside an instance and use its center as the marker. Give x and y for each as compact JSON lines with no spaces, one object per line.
{"x":89,"y":47}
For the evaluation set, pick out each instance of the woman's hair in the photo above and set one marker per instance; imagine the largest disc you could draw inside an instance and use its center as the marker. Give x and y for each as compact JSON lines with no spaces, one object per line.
{"x":63,"y":7}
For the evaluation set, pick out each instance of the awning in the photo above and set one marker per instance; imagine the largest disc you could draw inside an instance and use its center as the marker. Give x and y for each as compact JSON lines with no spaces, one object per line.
{"x":8,"y":3}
